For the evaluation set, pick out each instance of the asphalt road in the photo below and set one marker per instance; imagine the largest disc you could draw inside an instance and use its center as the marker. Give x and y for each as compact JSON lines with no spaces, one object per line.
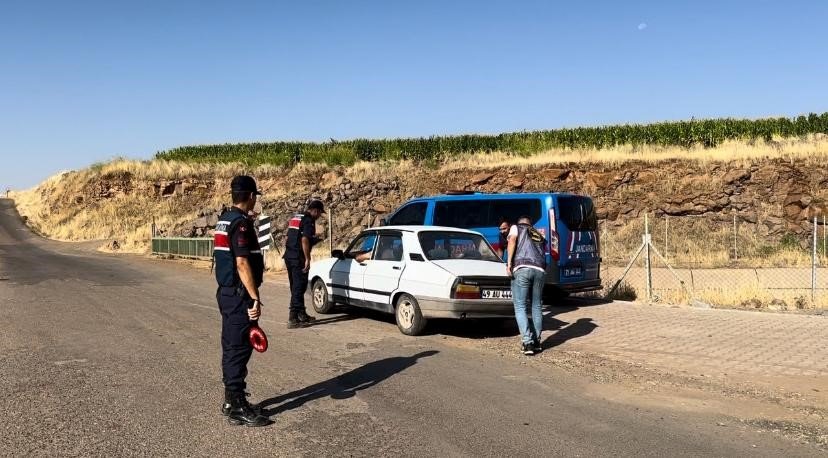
{"x":119,"y":355}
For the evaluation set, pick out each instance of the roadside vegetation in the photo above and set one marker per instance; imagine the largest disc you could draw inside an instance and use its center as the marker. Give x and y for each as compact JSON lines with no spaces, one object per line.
{"x":708,"y":133}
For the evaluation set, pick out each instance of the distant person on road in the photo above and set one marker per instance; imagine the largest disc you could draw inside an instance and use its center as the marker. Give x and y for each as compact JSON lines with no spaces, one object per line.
{"x":239,"y":273}
{"x":526,"y":264}
{"x":301,"y":237}
{"x":502,"y":238}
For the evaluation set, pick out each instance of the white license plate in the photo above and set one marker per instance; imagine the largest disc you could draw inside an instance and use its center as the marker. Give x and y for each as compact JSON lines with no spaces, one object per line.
{"x":497,"y":294}
{"x":572,"y":272}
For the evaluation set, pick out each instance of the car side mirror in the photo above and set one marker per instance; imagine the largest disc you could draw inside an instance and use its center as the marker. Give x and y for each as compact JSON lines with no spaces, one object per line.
{"x":338,"y":254}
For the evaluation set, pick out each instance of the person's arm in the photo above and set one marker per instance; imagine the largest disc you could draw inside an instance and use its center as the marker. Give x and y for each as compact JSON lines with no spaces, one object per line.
{"x":308,"y":236}
{"x":247,"y":279}
{"x":510,"y":253}
{"x":240,"y":242}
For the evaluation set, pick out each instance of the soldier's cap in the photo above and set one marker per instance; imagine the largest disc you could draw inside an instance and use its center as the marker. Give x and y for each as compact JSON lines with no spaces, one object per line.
{"x":316,"y":204}
{"x":244,"y":183}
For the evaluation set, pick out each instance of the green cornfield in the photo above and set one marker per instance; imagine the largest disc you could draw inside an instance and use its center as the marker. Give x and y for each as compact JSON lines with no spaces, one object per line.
{"x":707,"y":133}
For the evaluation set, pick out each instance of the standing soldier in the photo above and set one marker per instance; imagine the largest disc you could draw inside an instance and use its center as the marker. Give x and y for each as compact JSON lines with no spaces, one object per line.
{"x":239,"y":273}
{"x":301,"y":237}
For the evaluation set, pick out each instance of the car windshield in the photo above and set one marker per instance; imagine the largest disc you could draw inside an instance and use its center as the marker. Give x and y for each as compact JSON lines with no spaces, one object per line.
{"x":441,"y":245}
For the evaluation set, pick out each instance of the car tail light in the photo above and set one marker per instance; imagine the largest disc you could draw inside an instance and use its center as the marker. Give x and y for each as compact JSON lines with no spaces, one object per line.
{"x":554,"y":238}
{"x":463,"y":291}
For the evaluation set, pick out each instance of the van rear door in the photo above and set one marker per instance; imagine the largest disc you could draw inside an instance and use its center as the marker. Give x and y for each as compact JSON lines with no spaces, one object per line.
{"x":577,"y":226}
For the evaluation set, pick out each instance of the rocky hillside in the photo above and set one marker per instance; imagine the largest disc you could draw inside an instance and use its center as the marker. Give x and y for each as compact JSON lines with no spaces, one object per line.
{"x":120,"y":201}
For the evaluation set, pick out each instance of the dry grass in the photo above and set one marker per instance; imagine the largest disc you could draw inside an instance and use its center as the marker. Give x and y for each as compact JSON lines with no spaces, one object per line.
{"x":704,"y":242}
{"x":812,"y":148}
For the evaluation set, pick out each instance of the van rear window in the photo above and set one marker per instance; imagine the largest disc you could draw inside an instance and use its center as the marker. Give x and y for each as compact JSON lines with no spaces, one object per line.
{"x":484,"y":212}
{"x":578,"y":213}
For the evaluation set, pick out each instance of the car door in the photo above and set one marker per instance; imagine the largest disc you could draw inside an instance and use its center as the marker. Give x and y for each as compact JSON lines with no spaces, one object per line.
{"x":382,"y":274}
{"x":348,"y":274}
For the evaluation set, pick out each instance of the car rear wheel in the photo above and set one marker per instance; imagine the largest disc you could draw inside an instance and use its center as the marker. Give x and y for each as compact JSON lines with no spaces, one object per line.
{"x":409,"y":318}
{"x":322,"y":303}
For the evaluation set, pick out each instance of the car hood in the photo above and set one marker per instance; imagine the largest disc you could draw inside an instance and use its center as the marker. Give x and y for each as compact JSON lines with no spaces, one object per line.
{"x":472,"y":267}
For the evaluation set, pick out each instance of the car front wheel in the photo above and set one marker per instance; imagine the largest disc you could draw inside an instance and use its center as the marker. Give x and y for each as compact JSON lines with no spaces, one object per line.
{"x":409,"y":318}
{"x":322,"y":303}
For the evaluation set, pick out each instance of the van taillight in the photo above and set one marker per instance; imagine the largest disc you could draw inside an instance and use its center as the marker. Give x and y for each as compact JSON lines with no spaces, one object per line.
{"x":554,"y":238}
{"x":554,"y":245}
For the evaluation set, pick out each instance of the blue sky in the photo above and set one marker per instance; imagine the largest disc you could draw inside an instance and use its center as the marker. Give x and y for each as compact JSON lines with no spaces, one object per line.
{"x":86,"y":81}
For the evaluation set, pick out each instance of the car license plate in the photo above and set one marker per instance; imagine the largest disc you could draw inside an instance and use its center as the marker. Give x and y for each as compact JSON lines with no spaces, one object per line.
{"x":497,"y":294}
{"x":572,"y":272}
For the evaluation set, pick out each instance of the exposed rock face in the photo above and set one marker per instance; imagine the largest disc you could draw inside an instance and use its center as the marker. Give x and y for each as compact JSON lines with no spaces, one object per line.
{"x":777,"y":196}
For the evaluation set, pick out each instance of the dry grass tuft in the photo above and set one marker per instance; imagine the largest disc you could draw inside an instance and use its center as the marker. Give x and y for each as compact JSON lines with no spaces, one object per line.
{"x":812,"y":148}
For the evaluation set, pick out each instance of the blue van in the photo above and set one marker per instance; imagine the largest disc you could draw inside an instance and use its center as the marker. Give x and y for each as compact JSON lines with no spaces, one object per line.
{"x":568,"y":222}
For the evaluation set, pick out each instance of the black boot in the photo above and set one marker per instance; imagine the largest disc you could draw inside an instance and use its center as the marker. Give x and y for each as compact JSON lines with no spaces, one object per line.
{"x":242,"y":413}
{"x":303,"y":317}
{"x":293,"y":320}
{"x":227,"y":404}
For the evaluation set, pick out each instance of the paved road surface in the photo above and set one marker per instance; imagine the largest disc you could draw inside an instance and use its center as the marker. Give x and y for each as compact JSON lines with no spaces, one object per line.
{"x":103,"y":355}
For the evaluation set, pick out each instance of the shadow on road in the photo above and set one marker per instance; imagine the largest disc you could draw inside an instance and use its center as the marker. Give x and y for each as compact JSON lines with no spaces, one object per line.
{"x":331,"y":320}
{"x":577,"y":329}
{"x":507,"y":327}
{"x":343,"y":386}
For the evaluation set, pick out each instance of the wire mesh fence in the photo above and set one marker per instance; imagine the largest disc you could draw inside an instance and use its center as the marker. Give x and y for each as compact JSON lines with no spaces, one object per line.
{"x":183,"y":247}
{"x":717,"y":260}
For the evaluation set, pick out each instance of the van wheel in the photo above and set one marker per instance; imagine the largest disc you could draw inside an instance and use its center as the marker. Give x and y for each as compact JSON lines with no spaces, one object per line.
{"x":409,"y":318}
{"x":321,"y":301}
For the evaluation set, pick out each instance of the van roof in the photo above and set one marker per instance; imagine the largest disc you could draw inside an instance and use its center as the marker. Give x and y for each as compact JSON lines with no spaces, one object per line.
{"x":494,"y":195}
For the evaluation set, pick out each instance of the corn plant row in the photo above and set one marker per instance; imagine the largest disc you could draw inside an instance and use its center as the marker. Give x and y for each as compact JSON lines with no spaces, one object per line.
{"x":707,"y":133}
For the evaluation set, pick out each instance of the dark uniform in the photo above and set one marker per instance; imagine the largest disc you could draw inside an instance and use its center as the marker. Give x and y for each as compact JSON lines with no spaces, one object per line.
{"x":235,"y":237}
{"x":301,"y":225}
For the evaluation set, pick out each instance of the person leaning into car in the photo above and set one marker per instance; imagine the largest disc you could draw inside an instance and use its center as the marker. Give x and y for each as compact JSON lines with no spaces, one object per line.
{"x":526,"y":264}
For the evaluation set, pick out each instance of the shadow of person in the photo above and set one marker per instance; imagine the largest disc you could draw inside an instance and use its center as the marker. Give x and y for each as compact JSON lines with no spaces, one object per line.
{"x":343,"y":386}
{"x":577,"y":329}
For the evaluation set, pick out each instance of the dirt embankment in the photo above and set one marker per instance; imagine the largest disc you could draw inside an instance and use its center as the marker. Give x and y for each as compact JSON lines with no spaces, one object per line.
{"x":120,"y":200}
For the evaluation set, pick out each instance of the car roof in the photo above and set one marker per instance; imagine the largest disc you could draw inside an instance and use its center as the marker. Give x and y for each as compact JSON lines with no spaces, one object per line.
{"x":418,"y":229}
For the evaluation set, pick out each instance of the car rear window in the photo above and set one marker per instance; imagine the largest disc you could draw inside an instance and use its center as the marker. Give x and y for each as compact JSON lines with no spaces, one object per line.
{"x":472,"y":213}
{"x":441,"y":245}
{"x":578,"y":213}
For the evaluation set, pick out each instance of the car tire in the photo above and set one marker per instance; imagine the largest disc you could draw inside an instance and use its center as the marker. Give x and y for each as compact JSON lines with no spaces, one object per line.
{"x":409,"y":318}
{"x":320,"y":299}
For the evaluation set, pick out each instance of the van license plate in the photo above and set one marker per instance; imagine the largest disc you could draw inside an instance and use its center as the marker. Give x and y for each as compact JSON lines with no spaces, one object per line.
{"x":572,"y":272}
{"x":497,"y":294}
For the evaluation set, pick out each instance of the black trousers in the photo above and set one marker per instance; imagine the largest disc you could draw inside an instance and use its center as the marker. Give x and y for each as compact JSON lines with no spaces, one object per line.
{"x":235,"y":343}
{"x":298,"y":284}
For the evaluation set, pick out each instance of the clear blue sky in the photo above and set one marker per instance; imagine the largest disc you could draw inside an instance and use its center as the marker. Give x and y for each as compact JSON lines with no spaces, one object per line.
{"x":85,"y":81}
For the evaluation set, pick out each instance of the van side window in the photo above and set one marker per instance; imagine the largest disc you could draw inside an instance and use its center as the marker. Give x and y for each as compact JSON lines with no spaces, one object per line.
{"x":464,"y":214}
{"x":410,"y":215}
{"x":479,"y":213}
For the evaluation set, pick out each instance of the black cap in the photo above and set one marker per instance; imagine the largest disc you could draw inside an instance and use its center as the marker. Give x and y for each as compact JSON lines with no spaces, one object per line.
{"x":316,"y":204}
{"x":244,"y":183}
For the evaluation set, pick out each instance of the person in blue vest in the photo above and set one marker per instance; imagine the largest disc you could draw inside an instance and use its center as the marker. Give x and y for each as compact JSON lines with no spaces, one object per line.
{"x":526,"y":264}
{"x":301,"y":237}
{"x":239,"y":272}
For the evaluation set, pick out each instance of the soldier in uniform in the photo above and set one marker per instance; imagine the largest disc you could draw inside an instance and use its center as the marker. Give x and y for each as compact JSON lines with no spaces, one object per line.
{"x":301,"y":237}
{"x":239,"y":273}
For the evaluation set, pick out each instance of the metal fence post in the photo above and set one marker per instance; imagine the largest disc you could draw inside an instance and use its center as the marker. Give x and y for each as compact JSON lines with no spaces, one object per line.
{"x":735,"y":252}
{"x":648,"y":260}
{"x":814,"y":262}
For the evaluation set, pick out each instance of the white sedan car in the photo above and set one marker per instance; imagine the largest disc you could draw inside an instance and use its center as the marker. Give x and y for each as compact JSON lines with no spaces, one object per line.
{"x":416,"y":273}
